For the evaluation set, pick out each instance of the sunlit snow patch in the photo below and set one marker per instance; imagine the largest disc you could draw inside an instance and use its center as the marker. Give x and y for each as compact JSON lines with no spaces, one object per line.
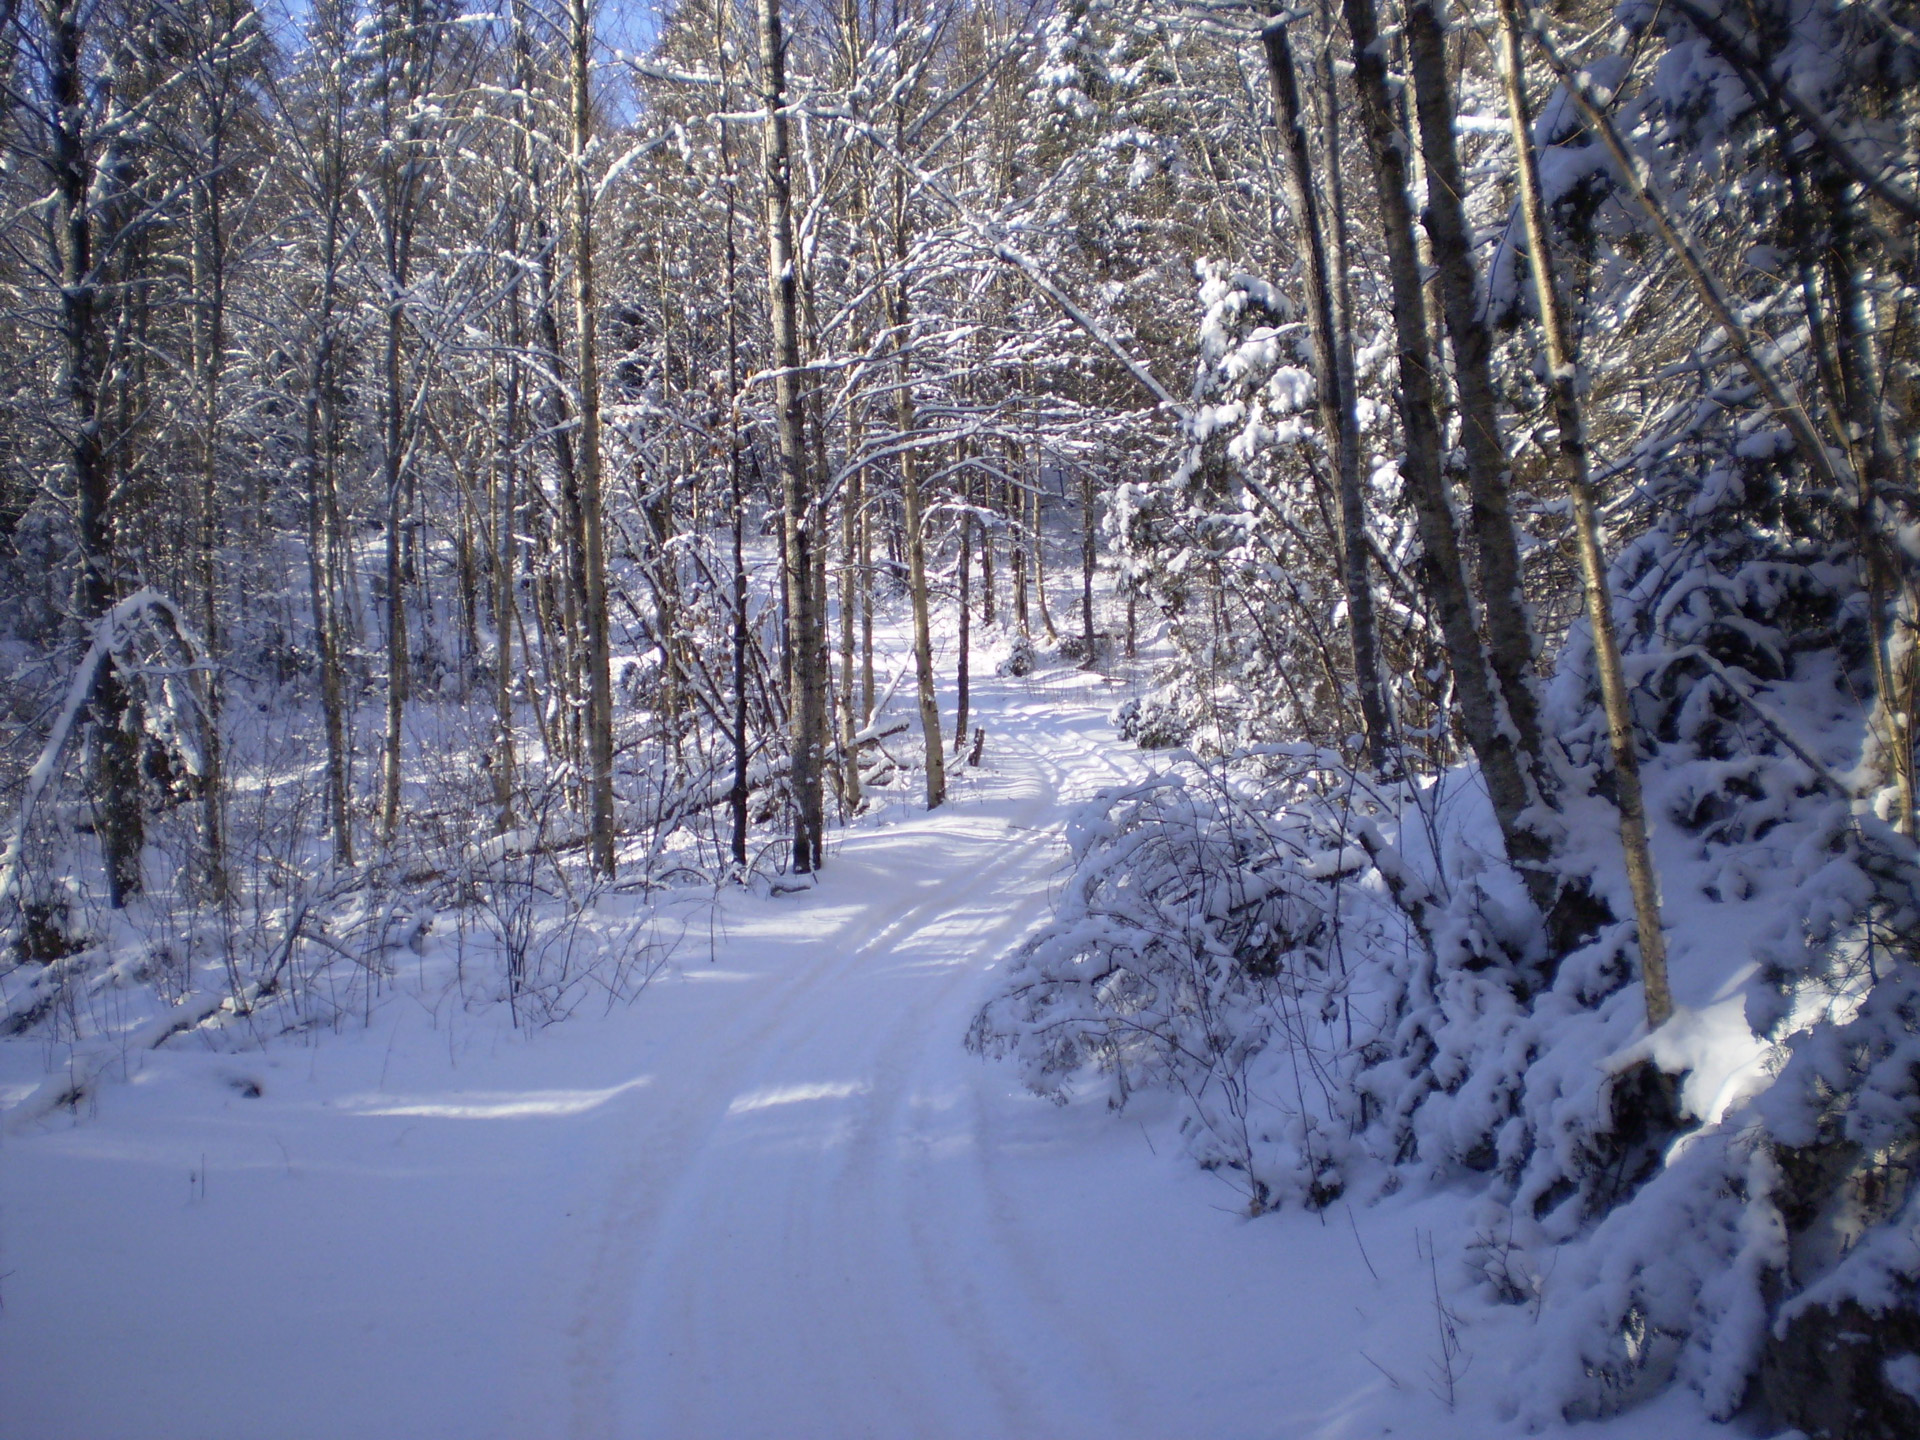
{"x":767,"y":1098}
{"x":492,"y":1104}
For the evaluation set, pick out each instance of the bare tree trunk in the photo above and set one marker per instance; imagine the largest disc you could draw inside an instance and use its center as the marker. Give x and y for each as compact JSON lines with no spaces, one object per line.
{"x":403,"y":77}
{"x":209,"y":283}
{"x":1341,"y":296}
{"x":1510,"y":639}
{"x":321,"y":588}
{"x":913,"y":519}
{"x":318,"y":435}
{"x":822,"y":527}
{"x":962,"y":679}
{"x":1337,"y":415}
{"x":806,"y":620}
{"x":788,"y":644}
{"x":1507,"y":784}
{"x":820,"y":522}
{"x":1563,"y":378}
{"x":466,"y":577}
{"x":1088,"y":554}
{"x":866,"y":610}
{"x":736,"y":498}
{"x":562,"y":647}
{"x":851,"y":501}
{"x":988,"y":606}
{"x":560,"y":636}
{"x":917,"y":576}
{"x":1017,"y":550}
{"x":1892,"y":604}
{"x":742,"y":637}
{"x":116,"y":777}
{"x":1351,"y":483}
{"x":591,"y":539}
{"x":506,"y":467}
{"x":396,"y":594}
{"x":1040,"y":560}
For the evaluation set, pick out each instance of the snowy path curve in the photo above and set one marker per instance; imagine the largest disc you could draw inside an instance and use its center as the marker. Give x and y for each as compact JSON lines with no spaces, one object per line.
{"x":808,"y":1233}
{"x":771,"y":1199}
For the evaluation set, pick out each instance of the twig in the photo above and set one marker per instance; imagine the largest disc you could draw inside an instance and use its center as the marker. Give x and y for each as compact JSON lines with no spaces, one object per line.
{"x":1391,"y":1378}
{"x":1360,"y":1243}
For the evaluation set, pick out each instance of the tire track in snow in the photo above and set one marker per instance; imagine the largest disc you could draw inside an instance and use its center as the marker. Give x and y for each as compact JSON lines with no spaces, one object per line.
{"x":652,"y":1225}
{"x":641,"y":1203}
{"x":828,"y":1236}
{"x":782,"y":1270}
{"x":1050,"y":1338}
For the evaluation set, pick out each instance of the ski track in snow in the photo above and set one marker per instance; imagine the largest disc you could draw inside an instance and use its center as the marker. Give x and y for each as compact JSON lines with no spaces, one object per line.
{"x":798,"y":1264}
{"x":772,"y":1199}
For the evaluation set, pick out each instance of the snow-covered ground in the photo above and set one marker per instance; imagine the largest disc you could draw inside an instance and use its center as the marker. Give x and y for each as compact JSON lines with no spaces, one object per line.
{"x":772,"y":1197}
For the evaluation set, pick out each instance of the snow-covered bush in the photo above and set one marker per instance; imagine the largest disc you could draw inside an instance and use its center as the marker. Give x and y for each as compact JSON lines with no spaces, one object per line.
{"x":1346,"y":982}
{"x":1202,"y":945}
{"x":1340,"y":983}
{"x":1346,"y":986}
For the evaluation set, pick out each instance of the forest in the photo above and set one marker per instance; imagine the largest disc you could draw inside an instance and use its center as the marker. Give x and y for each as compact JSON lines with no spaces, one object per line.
{"x":477,"y":476}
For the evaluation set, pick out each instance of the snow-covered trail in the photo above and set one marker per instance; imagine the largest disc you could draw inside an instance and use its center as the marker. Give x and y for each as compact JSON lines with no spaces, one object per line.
{"x":772,"y":1199}
{"x":800,"y":1235}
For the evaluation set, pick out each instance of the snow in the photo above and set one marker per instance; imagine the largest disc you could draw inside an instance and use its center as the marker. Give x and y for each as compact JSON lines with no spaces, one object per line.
{"x":109,"y":633}
{"x":771,"y":1196}
{"x":1724,"y":1063}
{"x":1903,"y":1373}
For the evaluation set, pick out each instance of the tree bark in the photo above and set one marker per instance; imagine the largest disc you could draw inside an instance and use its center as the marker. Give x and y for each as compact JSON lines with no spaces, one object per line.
{"x":917,"y":575}
{"x":1088,"y":554}
{"x":851,"y":600}
{"x":116,"y":777}
{"x":989,"y":606}
{"x":1017,"y":547}
{"x":317,"y":463}
{"x":1563,"y":378}
{"x":1510,"y":638}
{"x":962,"y":678}
{"x":1337,"y":415}
{"x":1040,"y":559}
{"x":397,"y":642}
{"x":592,"y":539}
{"x":405,"y":70}
{"x":505,"y":503}
{"x":1445,"y":573}
{"x":806,"y":622}
{"x":209,"y":283}
{"x":736,"y":497}
{"x":866,"y":609}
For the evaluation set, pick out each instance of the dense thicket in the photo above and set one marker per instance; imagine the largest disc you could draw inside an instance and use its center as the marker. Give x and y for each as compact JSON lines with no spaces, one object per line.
{"x":450,"y":465}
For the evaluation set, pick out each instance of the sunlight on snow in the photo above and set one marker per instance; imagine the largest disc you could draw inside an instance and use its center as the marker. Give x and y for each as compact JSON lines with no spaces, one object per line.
{"x":493,"y":1104}
{"x":770,"y":1096}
